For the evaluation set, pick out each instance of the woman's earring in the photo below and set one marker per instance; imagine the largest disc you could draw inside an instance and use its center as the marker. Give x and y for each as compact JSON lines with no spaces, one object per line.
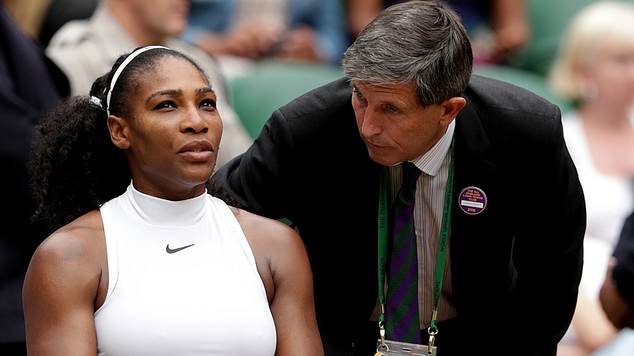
{"x":588,"y":90}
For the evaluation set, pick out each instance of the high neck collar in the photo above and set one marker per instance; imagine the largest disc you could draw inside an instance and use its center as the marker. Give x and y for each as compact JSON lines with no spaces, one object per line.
{"x":167,"y":213}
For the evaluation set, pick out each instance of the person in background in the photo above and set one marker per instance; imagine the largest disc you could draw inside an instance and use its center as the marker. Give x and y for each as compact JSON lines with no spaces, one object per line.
{"x":142,"y":261}
{"x":497,"y":28}
{"x":40,"y":19}
{"x":239,"y":32}
{"x":85,"y":49}
{"x":617,"y":292}
{"x":595,"y":69}
{"x":30,"y":85}
{"x":29,"y":14}
{"x":59,"y":12}
{"x":332,"y":161}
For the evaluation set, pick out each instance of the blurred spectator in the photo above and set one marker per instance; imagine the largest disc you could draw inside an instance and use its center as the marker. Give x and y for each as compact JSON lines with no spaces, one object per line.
{"x":617,"y":293}
{"x":42,"y":18}
{"x":496,"y":28}
{"x":240,"y":31}
{"x":360,"y":13}
{"x":86,"y":49}
{"x":29,"y":14}
{"x":61,"y":11}
{"x":595,"y":69}
{"x":30,"y":84}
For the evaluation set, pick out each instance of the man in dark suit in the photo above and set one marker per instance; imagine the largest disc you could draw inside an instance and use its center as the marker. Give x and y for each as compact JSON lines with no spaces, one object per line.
{"x":30,"y":84}
{"x":517,"y":216}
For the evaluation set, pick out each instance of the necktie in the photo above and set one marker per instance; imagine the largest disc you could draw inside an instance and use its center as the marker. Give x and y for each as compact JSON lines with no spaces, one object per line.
{"x":402,"y":319}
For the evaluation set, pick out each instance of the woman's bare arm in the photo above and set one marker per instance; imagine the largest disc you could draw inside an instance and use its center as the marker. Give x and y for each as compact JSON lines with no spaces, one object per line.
{"x":284,"y":268}
{"x":63,"y":286}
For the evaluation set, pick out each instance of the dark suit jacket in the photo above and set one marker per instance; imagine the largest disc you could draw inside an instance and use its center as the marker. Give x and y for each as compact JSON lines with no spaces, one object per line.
{"x":515,"y":266}
{"x":30,"y":84}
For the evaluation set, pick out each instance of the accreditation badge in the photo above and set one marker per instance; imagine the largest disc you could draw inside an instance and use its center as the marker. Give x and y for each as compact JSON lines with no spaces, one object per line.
{"x":394,"y":348}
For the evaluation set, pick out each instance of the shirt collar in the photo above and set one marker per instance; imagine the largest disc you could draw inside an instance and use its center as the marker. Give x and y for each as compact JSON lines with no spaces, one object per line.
{"x":431,"y":161}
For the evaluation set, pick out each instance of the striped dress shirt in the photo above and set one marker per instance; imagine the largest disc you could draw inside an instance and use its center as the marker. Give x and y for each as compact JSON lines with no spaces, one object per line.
{"x":430,"y":198}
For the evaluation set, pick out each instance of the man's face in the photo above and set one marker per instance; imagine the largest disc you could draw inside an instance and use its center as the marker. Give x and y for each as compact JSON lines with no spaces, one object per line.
{"x":392,"y":123}
{"x":165,"y":18}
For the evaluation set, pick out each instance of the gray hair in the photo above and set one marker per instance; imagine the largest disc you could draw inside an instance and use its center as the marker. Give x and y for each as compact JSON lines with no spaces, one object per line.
{"x":419,"y":41}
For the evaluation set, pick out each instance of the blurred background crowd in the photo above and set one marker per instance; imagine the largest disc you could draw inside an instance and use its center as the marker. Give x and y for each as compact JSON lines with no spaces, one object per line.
{"x":260,"y":54}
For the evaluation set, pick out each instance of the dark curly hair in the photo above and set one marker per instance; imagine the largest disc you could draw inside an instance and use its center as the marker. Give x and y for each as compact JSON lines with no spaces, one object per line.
{"x":75,"y":167}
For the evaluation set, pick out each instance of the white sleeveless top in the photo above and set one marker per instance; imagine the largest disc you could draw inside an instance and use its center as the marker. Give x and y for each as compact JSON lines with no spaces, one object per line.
{"x":182,"y":281}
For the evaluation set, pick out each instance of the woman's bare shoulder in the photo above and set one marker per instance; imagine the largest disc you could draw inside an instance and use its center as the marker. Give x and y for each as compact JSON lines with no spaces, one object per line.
{"x":65,"y":283}
{"x":82,"y":240}
{"x":272,"y":241}
{"x":259,"y":228}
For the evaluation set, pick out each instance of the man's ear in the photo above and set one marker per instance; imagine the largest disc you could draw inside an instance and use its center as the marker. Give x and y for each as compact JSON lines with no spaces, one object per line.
{"x":119,"y":130}
{"x":451,"y":107}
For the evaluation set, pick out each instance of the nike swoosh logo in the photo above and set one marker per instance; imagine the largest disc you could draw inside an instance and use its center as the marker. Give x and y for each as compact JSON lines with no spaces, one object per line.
{"x":169,"y":250}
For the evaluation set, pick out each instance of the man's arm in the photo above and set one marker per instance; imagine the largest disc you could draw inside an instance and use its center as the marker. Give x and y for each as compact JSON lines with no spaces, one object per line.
{"x":290,"y":150}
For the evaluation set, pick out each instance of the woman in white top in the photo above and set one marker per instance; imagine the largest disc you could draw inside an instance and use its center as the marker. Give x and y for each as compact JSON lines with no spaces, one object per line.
{"x":142,"y":261}
{"x":595,"y":69}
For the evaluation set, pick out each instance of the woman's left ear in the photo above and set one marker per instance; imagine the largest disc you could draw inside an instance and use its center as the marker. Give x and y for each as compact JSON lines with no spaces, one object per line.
{"x":452,"y":107}
{"x":118,"y":128}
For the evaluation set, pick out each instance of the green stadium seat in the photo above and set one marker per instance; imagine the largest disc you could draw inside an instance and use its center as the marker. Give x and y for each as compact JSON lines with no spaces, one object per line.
{"x":273,"y":84}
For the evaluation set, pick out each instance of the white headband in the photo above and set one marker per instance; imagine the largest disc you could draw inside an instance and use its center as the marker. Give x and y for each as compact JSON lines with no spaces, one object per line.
{"x":121,"y":68}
